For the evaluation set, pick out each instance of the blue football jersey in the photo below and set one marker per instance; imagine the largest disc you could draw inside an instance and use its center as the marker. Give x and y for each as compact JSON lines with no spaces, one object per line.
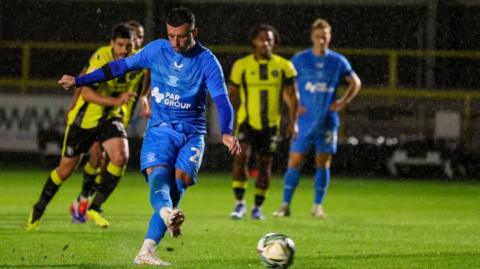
{"x":317,"y":81}
{"x":179,"y":83}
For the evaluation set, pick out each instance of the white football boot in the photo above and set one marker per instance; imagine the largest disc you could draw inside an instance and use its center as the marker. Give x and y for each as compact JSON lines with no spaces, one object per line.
{"x":317,"y":212}
{"x":149,"y":259}
{"x":283,"y":211}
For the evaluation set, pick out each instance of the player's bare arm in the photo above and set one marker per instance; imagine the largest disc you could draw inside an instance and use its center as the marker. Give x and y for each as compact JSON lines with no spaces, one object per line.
{"x":92,"y":96}
{"x":291,"y":99}
{"x":145,"y":96}
{"x":354,"y":85}
{"x":234,"y":95}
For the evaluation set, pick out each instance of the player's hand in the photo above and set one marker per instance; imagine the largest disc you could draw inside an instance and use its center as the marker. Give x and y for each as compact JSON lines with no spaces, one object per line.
{"x":125,"y":98}
{"x":337,"y":105}
{"x":145,"y":112}
{"x":67,"y":81}
{"x":231,"y":142}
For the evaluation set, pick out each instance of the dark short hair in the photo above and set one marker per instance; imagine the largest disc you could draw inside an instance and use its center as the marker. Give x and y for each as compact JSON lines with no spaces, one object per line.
{"x":256,"y":30}
{"x":121,"y":30}
{"x":179,"y":16}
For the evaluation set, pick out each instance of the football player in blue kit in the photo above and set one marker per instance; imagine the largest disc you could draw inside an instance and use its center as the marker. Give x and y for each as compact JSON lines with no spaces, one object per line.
{"x":320,"y":70}
{"x":182,"y":72}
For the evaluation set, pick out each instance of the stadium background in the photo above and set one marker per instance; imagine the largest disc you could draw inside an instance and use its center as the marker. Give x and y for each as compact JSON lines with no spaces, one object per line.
{"x":418,"y":61}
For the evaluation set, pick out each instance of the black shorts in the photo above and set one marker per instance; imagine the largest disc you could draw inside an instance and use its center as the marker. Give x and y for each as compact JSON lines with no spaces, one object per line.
{"x":110,"y":128}
{"x":263,"y":142}
{"x":77,"y":140}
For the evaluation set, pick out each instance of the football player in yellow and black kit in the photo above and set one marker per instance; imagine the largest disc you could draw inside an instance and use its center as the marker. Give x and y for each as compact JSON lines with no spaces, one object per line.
{"x":96,"y":116}
{"x":258,"y":83}
{"x":137,"y":82}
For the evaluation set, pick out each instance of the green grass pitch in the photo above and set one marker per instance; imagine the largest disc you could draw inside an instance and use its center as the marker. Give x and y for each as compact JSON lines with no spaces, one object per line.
{"x":372,"y":223}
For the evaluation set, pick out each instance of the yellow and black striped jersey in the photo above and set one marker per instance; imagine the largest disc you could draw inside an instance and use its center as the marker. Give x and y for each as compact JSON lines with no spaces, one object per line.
{"x":261,"y":83}
{"x":87,"y":115}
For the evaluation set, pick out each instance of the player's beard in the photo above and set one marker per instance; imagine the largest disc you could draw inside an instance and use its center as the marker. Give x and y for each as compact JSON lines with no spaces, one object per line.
{"x":266,"y":53}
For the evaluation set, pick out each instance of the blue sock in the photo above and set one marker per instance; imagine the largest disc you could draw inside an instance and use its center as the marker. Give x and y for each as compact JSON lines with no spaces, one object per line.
{"x":180,"y":191}
{"x":291,"y":178}
{"x":156,"y":228}
{"x":159,"y":182}
{"x":322,"y":180}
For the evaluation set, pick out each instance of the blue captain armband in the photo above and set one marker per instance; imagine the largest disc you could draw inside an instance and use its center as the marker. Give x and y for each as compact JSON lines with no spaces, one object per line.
{"x":107,"y":72}
{"x":225,"y":113}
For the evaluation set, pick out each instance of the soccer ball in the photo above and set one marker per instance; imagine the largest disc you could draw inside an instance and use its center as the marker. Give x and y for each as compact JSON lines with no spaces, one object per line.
{"x":276,"y":251}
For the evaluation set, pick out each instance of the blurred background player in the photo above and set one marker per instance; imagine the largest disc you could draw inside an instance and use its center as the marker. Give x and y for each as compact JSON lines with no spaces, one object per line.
{"x":320,"y":70}
{"x":258,"y":82}
{"x":182,"y":73}
{"x":137,"y":82}
{"x":96,"y":115}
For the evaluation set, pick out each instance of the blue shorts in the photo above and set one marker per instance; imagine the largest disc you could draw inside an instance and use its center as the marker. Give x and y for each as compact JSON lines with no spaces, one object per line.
{"x":324,"y":142}
{"x":163,"y":145}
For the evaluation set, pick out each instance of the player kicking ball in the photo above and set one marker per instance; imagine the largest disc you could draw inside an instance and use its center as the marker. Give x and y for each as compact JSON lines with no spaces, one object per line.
{"x":182,"y":72}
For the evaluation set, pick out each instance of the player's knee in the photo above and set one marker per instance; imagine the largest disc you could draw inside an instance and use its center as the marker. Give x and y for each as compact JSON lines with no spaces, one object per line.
{"x":294,"y":164}
{"x":323,"y":161}
{"x":190,"y":181}
{"x":262,"y":183}
{"x":186,"y":178}
{"x":119,"y":159}
{"x":64,"y":172}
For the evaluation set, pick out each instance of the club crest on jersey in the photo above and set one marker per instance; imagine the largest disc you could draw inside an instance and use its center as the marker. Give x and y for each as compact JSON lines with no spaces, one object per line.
{"x":172,"y":81}
{"x":275,"y":73}
{"x":151,"y":157}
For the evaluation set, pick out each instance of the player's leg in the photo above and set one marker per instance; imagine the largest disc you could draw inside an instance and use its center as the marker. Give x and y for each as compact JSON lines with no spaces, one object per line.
{"x":325,"y":147}
{"x":322,"y":181}
{"x":187,"y":164}
{"x":54,"y":180}
{"x":158,"y":156}
{"x":159,"y":181}
{"x":264,"y":145}
{"x":76,"y":141}
{"x":113,"y":136}
{"x":290,"y":182}
{"x":240,"y":180}
{"x":262,"y":183}
{"x":240,"y":171}
{"x":117,"y":151}
{"x":91,"y":170}
{"x":298,"y":147}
